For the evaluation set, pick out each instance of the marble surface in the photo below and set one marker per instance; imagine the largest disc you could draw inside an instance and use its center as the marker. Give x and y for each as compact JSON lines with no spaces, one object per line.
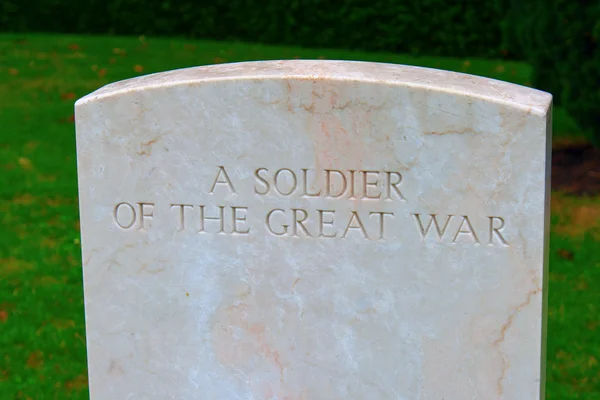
{"x":307,"y":230}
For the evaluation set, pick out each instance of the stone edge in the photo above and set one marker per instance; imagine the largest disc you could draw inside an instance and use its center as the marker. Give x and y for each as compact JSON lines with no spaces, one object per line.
{"x":530,"y":100}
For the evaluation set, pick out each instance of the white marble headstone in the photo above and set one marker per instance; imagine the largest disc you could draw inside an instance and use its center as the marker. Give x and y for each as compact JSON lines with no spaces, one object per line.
{"x":314,"y":230}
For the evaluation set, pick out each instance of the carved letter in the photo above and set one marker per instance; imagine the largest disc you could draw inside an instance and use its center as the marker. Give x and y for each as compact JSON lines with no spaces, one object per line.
{"x":268,"y":223}
{"x":351,"y":191}
{"x":497,"y":230}
{"x":359,"y":225}
{"x":241,"y":218}
{"x":133,"y":215}
{"x":294,"y":180}
{"x":381,"y":220}
{"x":305,"y":182}
{"x":144,"y":215}
{"x":322,"y":223}
{"x":469,"y":230}
{"x":225,"y":181}
{"x":299,"y":222}
{"x":425,"y":231}
{"x":182,"y":214}
{"x":393,"y":185}
{"x":367,"y":184}
{"x":328,"y":183}
{"x":204,"y":218}
{"x":262,"y":180}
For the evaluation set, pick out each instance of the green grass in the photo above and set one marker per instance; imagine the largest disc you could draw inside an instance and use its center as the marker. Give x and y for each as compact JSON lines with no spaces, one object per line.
{"x":42,"y":333}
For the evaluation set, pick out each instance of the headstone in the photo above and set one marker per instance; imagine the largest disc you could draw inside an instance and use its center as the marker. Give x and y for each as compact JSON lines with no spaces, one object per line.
{"x":309,"y":230}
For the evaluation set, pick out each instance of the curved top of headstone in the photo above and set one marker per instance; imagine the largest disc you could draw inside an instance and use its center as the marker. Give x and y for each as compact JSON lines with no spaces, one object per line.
{"x":493,"y":90}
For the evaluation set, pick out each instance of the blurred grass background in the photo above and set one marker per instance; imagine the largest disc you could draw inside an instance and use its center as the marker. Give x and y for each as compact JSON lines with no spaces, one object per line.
{"x":42,"y":332}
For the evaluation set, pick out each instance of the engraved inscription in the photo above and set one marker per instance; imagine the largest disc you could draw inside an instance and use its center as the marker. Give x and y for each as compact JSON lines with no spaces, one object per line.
{"x":329,"y":183}
{"x":359,"y":219}
{"x":212,"y":219}
{"x":127,"y":216}
{"x":330,"y":224}
{"x":464,"y":231}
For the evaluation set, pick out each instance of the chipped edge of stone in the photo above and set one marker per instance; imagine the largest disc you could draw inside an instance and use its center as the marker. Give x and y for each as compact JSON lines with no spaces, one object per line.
{"x":510,"y":94}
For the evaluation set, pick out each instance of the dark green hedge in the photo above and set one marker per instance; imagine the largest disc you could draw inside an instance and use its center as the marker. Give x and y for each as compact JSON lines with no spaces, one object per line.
{"x":444,"y":27}
{"x":561,"y":39}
